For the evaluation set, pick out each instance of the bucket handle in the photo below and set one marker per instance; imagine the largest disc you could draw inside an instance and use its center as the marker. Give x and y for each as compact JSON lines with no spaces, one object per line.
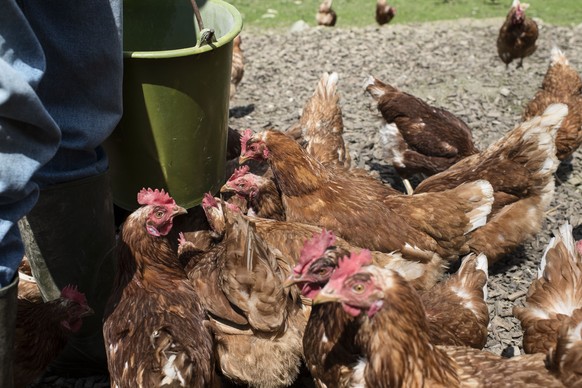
{"x":207,"y":35}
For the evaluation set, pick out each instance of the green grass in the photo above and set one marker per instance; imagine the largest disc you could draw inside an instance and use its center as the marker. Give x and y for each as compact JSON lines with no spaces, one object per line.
{"x":352,"y":13}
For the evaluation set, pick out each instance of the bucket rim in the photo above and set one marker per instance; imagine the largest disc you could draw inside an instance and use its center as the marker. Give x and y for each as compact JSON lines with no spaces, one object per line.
{"x":186,"y":51}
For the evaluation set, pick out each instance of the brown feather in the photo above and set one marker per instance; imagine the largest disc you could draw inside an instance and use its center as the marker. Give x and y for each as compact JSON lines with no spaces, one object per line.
{"x":554,"y":299}
{"x":456,"y":309}
{"x":561,"y":84}
{"x":520,"y":166}
{"x":238,"y":65}
{"x":321,"y":124}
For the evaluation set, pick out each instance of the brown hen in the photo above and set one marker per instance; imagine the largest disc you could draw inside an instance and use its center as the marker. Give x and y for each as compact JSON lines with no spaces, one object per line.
{"x":561,"y":84}
{"x":554,"y":299}
{"x":238,"y":65}
{"x":326,"y":16}
{"x":520,"y":166}
{"x":257,"y":324}
{"x":517,"y":36}
{"x":361,"y":209}
{"x":42,"y":330}
{"x":384,"y":12}
{"x":154,"y":323}
{"x":396,"y":350}
{"x":419,"y":138}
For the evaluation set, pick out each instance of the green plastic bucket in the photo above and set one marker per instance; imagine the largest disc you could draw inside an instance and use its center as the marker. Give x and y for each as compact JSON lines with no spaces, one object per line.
{"x":174,"y":127}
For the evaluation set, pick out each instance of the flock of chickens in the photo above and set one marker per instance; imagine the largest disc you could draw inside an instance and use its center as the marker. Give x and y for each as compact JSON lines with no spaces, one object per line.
{"x":326,"y":16}
{"x":307,"y":271}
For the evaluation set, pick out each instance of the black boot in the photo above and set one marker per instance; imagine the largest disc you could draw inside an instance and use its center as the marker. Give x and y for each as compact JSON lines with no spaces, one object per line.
{"x":7,"y":321}
{"x":69,"y":238}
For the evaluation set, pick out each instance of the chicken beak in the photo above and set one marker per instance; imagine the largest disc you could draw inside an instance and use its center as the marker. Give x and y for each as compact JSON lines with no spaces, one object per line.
{"x":242,"y":159}
{"x":88,"y":312}
{"x":291,"y":280}
{"x":178,"y":210}
{"x":326,"y":297}
{"x":225,"y":188}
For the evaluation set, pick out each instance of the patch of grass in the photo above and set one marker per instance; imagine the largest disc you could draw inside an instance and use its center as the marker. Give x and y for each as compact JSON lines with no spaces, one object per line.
{"x":359,"y":13}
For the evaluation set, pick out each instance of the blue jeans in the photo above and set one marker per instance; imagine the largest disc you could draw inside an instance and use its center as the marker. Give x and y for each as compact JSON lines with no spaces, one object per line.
{"x":61,"y":71}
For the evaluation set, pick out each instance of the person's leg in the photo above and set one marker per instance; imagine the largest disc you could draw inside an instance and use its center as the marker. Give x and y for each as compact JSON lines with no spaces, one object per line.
{"x":69,"y":235}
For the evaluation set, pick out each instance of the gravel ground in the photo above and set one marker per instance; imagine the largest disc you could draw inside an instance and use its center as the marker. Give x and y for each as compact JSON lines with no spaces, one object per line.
{"x":449,"y":64}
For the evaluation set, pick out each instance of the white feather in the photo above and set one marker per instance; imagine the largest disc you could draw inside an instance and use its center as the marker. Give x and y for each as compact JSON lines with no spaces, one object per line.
{"x":478,"y":216}
{"x":357,"y":379}
{"x":557,"y":56}
{"x":483,"y":265}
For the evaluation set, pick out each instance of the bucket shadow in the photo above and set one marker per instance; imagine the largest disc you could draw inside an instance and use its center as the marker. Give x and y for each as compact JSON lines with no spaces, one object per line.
{"x":241,"y":111}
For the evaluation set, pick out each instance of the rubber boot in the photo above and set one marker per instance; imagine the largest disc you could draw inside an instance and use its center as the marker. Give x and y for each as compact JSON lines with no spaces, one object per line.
{"x":69,"y":238}
{"x":7,"y":322}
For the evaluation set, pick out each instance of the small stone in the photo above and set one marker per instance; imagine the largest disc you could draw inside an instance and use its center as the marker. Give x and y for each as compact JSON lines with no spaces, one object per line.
{"x":299,"y":26}
{"x":504,"y":92}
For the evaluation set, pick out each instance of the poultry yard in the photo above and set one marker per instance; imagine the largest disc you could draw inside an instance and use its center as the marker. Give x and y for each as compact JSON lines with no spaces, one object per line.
{"x":449,"y":64}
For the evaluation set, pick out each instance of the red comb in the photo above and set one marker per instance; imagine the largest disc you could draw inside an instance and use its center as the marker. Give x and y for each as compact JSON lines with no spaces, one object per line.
{"x":247,"y":134}
{"x":209,"y":201}
{"x":154,"y":197}
{"x":314,"y":248}
{"x":243,"y":170}
{"x":349,"y":266}
{"x":70,"y":292}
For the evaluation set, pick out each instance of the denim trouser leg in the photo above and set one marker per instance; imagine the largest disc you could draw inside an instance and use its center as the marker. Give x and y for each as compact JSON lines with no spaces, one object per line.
{"x":60,"y":98}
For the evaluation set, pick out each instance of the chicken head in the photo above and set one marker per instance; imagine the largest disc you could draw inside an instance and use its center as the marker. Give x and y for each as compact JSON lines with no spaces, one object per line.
{"x":243,"y":183}
{"x":316,"y":264}
{"x":162,"y":210}
{"x":252,"y":147}
{"x":75,"y":308}
{"x":356,"y":289}
{"x":519,"y":15}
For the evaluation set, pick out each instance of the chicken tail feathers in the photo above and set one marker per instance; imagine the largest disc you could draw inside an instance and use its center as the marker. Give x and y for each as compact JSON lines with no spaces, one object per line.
{"x":555,"y":297}
{"x":558,"y":57}
{"x":471,"y":278}
{"x":327,"y":86}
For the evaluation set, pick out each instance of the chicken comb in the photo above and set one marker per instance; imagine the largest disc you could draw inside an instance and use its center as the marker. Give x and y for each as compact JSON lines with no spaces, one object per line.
{"x":241,"y":171}
{"x":154,"y":197}
{"x":579,"y":246}
{"x":209,"y":201}
{"x":247,"y":134}
{"x":72,"y":293}
{"x":350,"y":265}
{"x":314,"y":248}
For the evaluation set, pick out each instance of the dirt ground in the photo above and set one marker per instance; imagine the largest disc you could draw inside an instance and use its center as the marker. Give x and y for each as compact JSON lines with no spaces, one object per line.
{"x":449,"y":64}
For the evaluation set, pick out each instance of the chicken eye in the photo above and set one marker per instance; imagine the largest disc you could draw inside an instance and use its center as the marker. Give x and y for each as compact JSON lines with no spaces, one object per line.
{"x":358,"y":288}
{"x":322,"y":271}
{"x":159,"y":214}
